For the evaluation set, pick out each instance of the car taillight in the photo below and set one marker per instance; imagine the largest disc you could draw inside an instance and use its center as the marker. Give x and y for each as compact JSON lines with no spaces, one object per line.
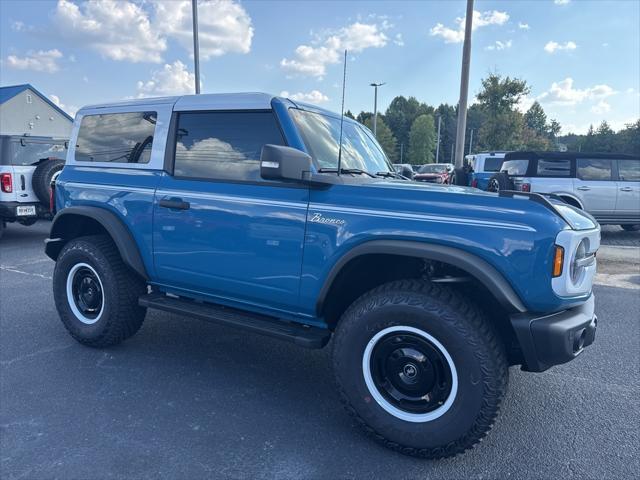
{"x":474,"y":183}
{"x":526,"y":187}
{"x":6,"y":182}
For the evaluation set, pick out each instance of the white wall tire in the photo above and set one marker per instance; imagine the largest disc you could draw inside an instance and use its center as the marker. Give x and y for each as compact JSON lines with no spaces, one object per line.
{"x":72,"y":297}
{"x":386,"y":404}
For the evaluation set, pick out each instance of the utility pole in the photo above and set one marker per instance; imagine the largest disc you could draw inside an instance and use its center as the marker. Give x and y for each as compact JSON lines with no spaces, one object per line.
{"x":464,"y":89}
{"x":375,"y":106}
{"x":438,"y":142}
{"x":471,"y":141}
{"x":196,"y":47}
{"x":401,"y":152}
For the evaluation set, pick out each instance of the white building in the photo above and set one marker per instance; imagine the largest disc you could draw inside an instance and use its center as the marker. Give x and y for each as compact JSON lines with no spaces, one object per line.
{"x":26,"y":111}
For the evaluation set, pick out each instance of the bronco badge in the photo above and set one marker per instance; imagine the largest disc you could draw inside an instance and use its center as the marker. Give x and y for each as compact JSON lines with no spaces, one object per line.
{"x":319,"y":218}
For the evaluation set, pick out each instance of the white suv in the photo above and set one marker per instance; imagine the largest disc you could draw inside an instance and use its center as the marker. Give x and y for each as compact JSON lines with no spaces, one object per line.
{"x":606,"y":185}
{"x":27,"y":167}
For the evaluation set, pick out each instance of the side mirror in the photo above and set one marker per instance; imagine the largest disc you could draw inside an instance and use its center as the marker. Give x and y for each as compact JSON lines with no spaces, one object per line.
{"x":283,"y":163}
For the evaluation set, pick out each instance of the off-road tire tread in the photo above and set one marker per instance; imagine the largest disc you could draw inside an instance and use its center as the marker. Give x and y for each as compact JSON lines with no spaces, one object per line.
{"x":126,"y":316}
{"x":39,"y":181}
{"x":493,"y":362}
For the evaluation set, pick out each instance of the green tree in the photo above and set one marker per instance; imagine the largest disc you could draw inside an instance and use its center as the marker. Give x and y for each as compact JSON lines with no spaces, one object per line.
{"x":401,"y":114}
{"x":604,"y":139}
{"x":349,"y":115}
{"x":363,"y":116}
{"x":384,"y":136}
{"x":628,"y":139}
{"x":502,"y":126}
{"x":422,"y":140}
{"x":536,"y":120}
{"x":554,"y":129}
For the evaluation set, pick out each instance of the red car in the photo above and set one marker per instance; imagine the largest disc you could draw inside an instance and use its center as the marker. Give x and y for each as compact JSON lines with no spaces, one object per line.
{"x":435,"y":173}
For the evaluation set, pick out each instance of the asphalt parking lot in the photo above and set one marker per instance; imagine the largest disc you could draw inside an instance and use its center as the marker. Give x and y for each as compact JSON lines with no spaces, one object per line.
{"x":186,"y":399}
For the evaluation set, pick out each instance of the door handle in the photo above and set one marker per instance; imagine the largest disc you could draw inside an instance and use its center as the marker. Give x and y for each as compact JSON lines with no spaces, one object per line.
{"x":584,"y":189}
{"x":174,"y":204}
{"x":626,"y":189}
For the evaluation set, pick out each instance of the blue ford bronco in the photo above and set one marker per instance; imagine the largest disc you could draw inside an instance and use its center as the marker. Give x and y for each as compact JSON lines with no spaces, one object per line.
{"x":271,"y":216}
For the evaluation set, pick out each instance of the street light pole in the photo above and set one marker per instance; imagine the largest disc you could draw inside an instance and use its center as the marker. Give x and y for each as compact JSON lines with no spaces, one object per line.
{"x":196,"y":48}
{"x":464,"y":89}
{"x":375,"y":106}
{"x":438,"y":142}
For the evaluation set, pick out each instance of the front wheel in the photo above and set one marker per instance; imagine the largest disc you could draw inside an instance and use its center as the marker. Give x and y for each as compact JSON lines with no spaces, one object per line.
{"x":95,"y":293}
{"x":420,"y":368}
{"x":499,"y":181}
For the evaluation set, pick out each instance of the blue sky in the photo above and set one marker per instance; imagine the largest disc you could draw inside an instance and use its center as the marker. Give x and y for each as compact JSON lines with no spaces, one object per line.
{"x":581,"y":58}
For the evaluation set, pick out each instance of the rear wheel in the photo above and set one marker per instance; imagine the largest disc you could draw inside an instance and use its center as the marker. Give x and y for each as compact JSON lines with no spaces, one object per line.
{"x":631,"y":228}
{"x":95,"y":293}
{"x":419,"y":368}
{"x":500,"y":181}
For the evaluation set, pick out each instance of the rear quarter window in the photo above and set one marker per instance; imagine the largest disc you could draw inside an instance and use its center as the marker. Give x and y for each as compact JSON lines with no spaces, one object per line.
{"x":594,"y":169}
{"x":493,"y":164}
{"x":116,"y":137}
{"x":516,"y":168}
{"x":31,"y":152}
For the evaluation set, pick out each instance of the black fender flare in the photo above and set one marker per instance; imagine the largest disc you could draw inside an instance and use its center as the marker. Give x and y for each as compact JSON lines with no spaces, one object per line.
{"x":64,"y":229}
{"x":485,"y":273}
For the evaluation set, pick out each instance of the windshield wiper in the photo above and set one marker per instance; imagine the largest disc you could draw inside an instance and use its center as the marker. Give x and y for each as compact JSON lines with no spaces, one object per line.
{"x":392,"y":175}
{"x":356,"y":171}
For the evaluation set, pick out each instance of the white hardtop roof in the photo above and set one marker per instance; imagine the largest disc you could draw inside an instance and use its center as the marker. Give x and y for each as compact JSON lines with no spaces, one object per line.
{"x":206,"y":101}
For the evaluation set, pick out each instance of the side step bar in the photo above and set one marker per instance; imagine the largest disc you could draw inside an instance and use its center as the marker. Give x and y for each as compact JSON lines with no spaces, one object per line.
{"x":302,"y":335}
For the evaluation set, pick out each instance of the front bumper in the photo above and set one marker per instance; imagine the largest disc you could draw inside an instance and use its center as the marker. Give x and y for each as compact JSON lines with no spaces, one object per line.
{"x":557,"y":338}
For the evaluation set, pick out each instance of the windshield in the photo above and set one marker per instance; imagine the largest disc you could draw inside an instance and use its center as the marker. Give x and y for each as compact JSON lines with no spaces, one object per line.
{"x":515,"y":167}
{"x":321,"y":135}
{"x":433,"y":168}
{"x":31,"y":152}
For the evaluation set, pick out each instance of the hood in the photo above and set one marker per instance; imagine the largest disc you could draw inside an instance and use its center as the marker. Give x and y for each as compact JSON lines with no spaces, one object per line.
{"x":531,"y":210}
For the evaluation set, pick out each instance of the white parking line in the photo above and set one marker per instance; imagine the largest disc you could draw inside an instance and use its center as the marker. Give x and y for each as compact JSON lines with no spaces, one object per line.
{"x":15,"y":270}
{"x":619,"y":280}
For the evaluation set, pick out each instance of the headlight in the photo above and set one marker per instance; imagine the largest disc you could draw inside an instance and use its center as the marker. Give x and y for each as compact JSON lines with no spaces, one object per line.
{"x":574,"y":262}
{"x":580,"y":261}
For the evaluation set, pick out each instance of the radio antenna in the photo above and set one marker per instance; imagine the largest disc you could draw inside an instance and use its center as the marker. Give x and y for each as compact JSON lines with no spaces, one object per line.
{"x":344,"y":81}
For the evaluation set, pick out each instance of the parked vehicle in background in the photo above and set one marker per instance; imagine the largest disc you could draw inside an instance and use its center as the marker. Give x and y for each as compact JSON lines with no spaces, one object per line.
{"x":435,"y":173}
{"x":27,"y":167}
{"x":607,"y":185}
{"x":481,"y":166}
{"x":235,"y":209}
{"x":404,"y":169}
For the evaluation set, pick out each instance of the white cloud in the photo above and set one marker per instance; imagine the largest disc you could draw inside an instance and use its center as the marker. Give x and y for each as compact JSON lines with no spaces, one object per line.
{"x":552,"y":47}
{"x":138,"y":31}
{"x":223,"y":26}
{"x":314,"y":96}
{"x":456,"y":35}
{"x":523,"y":26}
{"x":499,"y":45}
{"x":601,"y":107}
{"x":40,"y":61}
{"x":563,"y":93}
{"x":70,"y":109}
{"x":561,"y":2}
{"x":120,"y":30}
{"x":313,"y":60}
{"x":172,"y":79}
{"x":399,"y":40}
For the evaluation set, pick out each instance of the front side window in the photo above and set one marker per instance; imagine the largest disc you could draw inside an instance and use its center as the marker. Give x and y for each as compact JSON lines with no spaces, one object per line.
{"x":554,"y":167}
{"x":223,"y":145}
{"x":629,"y":170}
{"x":321,"y":135}
{"x":594,"y":169}
{"x":116,"y":137}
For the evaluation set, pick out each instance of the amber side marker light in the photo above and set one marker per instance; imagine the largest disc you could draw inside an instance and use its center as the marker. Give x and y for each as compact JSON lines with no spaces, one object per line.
{"x":558,"y":260}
